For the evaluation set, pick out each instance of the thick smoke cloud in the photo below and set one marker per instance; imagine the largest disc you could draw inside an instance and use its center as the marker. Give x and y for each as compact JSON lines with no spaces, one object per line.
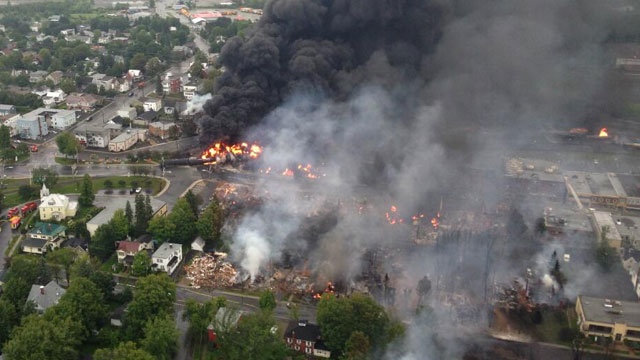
{"x":323,"y":47}
{"x":393,"y":100}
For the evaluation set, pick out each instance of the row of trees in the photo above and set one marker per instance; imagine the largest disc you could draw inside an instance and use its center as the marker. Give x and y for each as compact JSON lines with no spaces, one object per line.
{"x":64,"y":329}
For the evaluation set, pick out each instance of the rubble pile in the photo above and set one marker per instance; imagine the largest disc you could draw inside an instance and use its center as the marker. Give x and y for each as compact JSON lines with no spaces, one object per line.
{"x":293,"y":282}
{"x":211,"y":271}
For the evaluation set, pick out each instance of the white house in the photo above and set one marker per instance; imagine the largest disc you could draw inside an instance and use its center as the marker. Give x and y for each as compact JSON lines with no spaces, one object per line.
{"x":136,"y":75}
{"x":167,"y":258}
{"x":62,"y":119}
{"x":11,"y":124}
{"x":152,"y":104}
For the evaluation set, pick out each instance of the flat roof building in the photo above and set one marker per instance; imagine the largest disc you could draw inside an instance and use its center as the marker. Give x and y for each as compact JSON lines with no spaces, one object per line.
{"x":158,"y":207}
{"x":619,"y":320}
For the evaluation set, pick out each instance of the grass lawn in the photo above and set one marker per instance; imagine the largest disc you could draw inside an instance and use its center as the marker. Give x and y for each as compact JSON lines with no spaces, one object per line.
{"x":106,"y":266}
{"x":71,"y":184}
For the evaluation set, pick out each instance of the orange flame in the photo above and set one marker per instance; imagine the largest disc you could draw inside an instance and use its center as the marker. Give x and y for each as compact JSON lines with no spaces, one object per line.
{"x":221,"y":150}
{"x":287,"y":172}
{"x":603,"y":133}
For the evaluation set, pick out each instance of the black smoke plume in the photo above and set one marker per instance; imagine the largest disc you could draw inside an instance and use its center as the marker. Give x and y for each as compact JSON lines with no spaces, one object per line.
{"x":324,"y":47}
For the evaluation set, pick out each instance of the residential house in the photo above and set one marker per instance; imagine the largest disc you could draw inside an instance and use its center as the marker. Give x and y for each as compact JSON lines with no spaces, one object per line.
{"x":126,"y":140}
{"x":7,"y":109}
{"x":78,"y":244}
{"x":44,"y":297}
{"x":127,"y":250}
{"x":10,"y":122}
{"x":55,"y":206}
{"x":67,"y":32}
{"x":53,"y":98}
{"x":159,"y":208}
{"x":34,"y":125}
{"x":84,"y":102}
{"x":171,"y":84}
{"x":136,"y":75}
{"x":35,"y":26}
{"x":37,"y":76}
{"x":171,"y":105}
{"x":55,"y":77}
{"x":92,"y":136}
{"x":122,"y":84}
{"x":227,"y":318}
{"x":102,"y":81}
{"x":162,"y":130}
{"x":43,"y":237}
{"x":63,"y":119}
{"x":190,"y":90}
{"x":54,"y":18}
{"x":616,"y":320}
{"x":146,"y":118}
{"x":305,"y":338}
{"x":114,"y":128}
{"x":167,"y":258}
{"x":154,"y":104}
{"x":128,"y":112}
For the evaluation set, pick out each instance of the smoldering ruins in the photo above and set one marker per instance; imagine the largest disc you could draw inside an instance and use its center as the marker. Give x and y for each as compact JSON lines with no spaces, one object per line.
{"x":402,"y":112}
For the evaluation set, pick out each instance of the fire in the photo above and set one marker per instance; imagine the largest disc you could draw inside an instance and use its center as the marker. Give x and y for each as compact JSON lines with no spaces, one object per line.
{"x":287,"y":172}
{"x":222,"y":151}
{"x":435,"y":222}
{"x":603,"y":133}
{"x":330,"y":289}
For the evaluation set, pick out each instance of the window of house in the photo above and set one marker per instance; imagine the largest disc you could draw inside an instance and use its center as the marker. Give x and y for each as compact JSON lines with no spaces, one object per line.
{"x":297,"y":348}
{"x":298,"y":341}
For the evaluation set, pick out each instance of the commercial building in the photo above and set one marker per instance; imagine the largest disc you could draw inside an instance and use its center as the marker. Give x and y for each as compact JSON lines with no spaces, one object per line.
{"x":619,"y":320}
{"x":126,"y":140}
{"x":605,"y":227}
{"x":34,"y":125}
{"x":161,"y":129}
{"x":159,"y":208}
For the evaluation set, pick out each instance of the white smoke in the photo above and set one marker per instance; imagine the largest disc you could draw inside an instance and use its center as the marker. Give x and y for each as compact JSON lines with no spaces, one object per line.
{"x":195,"y":104}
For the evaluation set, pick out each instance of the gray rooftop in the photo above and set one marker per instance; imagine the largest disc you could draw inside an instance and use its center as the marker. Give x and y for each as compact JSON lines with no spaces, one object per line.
{"x":46,"y":297}
{"x":120,"y":202}
{"x":166,"y":250}
{"x":609,"y":311}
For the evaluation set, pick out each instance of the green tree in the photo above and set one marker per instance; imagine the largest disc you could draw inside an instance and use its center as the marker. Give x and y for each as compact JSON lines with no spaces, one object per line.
{"x":128,"y":212}
{"x":46,"y":176}
{"x":68,"y":85}
{"x":5,"y":138}
{"x":153,"y":67}
{"x":200,"y":315}
{"x":102,"y":244}
{"x":68,"y":144}
{"x":39,"y":338}
{"x":83,"y":302}
{"x":194,"y":202}
{"x":138,"y":61}
{"x":63,"y":259}
{"x":161,"y":337}
{"x":161,"y":228}
{"x":120,"y":225}
{"x":86,"y":192}
{"x":124,"y":351}
{"x":8,"y":319}
{"x":28,"y":192}
{"x":183,"y":219}
{"x":159,"y":90}
{"x":141,"y":264}
{"x":357,"y":346}
{"x":153,"y":296}
{"x":338,"y":318}
{"x":267,"y":301}
{"x":259,"y":341}
{"x":142,"y":215}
